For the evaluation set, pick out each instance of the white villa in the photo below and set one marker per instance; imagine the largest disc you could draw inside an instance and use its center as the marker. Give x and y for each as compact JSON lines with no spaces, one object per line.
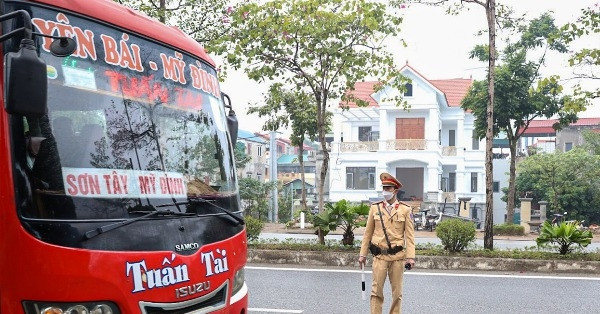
{"x":430,"y":148}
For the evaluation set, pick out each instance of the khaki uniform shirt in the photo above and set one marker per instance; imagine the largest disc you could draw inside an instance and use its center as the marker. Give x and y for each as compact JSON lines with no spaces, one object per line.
{"x":398,"y":225}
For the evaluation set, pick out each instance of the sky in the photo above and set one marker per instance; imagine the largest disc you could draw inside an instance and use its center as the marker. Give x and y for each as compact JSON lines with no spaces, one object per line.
{"x":437,"y":47}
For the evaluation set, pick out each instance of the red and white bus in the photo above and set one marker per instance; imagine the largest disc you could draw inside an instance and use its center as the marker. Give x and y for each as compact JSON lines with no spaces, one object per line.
{"x":118,"y":191}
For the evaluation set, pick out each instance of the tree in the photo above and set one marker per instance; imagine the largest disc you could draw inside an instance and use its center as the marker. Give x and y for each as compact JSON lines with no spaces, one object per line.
{"x":299,"y":110}
{"x":204,"y":20}
{"x":592,"y":141}
{"x":490,"y":13}
{"x":349,"y":216}
{"x":255,"y":195}
{"x":564,"y":235}
{"x":587,"y":60}
{"x":241,"y":158}
{"x":320,"y":47}
{"x":568,"y":181}
{"x":521,"y":93}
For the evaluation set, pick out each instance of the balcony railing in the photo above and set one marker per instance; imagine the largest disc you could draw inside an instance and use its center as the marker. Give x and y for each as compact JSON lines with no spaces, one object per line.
{"x":359,"y":146}
{"x":418,"y":144}
{"x":449,"y":196}
{"x":449,"y":151}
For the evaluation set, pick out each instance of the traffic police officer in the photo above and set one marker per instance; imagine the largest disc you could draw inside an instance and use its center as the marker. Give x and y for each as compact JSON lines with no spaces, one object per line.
{"x":390,"y":237}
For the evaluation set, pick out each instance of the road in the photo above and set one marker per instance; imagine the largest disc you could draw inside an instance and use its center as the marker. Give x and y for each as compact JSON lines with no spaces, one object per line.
{"x":289,"y":289}
{"x":498,"y":244}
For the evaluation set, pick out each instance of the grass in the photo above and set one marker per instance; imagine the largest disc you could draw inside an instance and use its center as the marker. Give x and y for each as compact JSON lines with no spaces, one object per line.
{"x":429,"y":249}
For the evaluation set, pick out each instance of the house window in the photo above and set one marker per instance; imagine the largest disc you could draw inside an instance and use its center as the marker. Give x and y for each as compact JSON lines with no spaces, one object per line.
{"x":360,"y":178}
{"x":349,"y":180}
{"x":451,"y":137}
{"x":364,"y":133}
{"x":451,"y":182}
{"x":473,"y":181}
{"x":249,"y":148}
{"x":496,"y":186}
{"x":259,"y":150}
{"x":475,"y":141}
{"x":371,"y":180}
{"x":409,"y":90}
{"x":568,"y":146}
{"x":374,"y":136}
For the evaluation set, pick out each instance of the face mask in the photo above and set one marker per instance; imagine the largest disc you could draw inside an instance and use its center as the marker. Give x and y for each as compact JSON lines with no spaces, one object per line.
{"x":388,"y":195}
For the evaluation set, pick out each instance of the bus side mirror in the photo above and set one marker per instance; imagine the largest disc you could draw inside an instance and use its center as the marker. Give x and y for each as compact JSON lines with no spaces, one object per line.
{"x":232,"y":121}
{"x":232,"y":125}
{"x":26,"y":81}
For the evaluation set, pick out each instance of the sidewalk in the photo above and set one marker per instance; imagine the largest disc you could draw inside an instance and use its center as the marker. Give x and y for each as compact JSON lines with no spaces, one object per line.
{"x":280,"y":228}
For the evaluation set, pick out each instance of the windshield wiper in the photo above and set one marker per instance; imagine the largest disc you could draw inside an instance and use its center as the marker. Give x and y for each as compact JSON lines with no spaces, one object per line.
{"x":198,"y":200}
{"x":147,"y":213}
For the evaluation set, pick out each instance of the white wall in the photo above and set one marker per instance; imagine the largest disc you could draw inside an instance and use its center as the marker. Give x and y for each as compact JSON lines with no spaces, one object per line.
{"x":501,"y":168}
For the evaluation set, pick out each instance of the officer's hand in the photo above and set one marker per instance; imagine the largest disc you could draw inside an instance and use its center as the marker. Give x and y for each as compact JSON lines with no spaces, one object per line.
{"x":410,"y":261}
{"x":361,"y":261}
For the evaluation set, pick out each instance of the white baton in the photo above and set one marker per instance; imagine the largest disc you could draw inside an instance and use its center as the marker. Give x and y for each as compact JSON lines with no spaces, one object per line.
{"x":362,"y":267}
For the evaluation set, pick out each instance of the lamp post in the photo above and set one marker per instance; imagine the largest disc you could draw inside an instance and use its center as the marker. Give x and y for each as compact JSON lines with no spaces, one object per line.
{"x":273,"y":159}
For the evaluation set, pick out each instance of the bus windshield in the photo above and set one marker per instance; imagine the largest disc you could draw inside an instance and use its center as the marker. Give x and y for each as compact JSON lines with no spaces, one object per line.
{"x":131,"y":125}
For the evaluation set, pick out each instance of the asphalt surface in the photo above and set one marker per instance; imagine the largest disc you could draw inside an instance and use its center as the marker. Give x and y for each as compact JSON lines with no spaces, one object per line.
{"x":335,"y":290}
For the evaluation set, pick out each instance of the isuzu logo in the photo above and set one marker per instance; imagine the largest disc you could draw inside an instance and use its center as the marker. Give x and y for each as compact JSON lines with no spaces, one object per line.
{"x":187,"y":246}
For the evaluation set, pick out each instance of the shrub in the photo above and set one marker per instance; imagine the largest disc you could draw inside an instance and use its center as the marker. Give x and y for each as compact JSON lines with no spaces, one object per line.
{"x":455,"y":234}
{"x":349,"y":217}
{"x":509,"y":230}
{"x":564,"y":235}
{"x":253,"y":228}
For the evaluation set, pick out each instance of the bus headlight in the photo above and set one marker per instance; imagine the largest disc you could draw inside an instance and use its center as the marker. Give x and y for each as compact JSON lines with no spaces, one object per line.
{"x":39,"y":307}
{"x":238,"y":280}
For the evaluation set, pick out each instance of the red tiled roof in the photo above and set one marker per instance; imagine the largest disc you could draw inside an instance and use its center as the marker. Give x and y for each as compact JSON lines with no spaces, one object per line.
{"x":454,"y":89}
{"x":363,"y":91}
{"x":545,"y":126}
{"x":587,"y":121}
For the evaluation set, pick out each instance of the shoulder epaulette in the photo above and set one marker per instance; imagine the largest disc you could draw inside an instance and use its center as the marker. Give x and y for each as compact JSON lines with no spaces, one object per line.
{"x":404,"y":204}
{"x":377,"y":202}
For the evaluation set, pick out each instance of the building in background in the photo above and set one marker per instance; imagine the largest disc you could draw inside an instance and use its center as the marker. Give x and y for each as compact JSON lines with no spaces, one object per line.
{"x":429,"y":148}
{"x":256,"y":148}
{"x":541,"y":137}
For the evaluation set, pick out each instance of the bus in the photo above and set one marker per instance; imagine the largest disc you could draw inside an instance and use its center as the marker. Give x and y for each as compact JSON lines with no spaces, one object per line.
{"x":118,"y":191}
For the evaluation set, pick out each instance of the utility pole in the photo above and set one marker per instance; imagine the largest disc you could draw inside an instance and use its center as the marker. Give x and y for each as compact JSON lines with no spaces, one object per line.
{"x":273,"y":158}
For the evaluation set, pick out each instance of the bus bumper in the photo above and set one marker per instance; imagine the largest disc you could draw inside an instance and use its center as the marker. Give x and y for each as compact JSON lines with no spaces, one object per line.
{"x":239,"y":301}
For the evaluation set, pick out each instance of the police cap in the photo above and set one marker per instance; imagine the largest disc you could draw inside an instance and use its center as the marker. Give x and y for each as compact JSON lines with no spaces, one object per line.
{"x":388,"y":180}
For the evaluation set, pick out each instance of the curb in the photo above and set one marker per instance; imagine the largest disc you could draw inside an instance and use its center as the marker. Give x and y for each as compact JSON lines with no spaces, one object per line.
{"x":314,"y":258}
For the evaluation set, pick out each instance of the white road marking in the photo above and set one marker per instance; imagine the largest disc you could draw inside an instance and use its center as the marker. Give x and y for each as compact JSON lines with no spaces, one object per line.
{"x":273,"y":310}
{"x":427,"y":274}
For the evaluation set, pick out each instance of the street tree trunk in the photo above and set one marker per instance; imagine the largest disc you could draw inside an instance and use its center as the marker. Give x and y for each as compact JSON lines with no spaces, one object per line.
{"x":163,"y":11}
{"x":488,"y":238}
{"x":321,"y":114}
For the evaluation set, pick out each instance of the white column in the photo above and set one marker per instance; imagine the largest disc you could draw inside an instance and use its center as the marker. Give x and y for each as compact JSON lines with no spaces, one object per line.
{"x":337,"y":125}
{"x":433,"y":177}
{"x":432,"y":130}
{"x":460,"y":180}
{"x":460,"y":134}
{"x":386,"y":131}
